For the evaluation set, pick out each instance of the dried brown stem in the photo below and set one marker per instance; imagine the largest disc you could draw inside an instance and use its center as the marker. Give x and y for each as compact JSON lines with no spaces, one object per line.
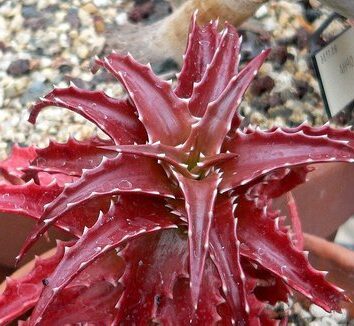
{"x":167,"y":37}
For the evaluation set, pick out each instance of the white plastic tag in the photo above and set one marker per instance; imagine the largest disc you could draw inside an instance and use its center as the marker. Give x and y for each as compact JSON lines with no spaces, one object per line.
{"x":334,"y":65}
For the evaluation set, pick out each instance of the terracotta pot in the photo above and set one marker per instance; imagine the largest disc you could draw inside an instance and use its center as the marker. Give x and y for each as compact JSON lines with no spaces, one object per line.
{"x":335,"y":259}
{"x":325,"y":202}
{"x":13,"y":231}
{"x":26,"y":268}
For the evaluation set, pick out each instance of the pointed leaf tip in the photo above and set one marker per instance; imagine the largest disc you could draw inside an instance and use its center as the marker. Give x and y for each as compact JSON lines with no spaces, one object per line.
{"x":114,"y":117}
{"x":164,"y":115}
{"x":199,"y":197}
{"x":222,"y":113}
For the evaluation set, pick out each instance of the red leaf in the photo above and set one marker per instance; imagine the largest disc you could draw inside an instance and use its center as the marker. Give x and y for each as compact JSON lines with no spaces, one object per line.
{"x":213,"y":160}
{"x":295,"y":222}
{"x":165,"y":116}
{"x":178,"y":311}
{"x":343,"y":134}
{"x":225,"y":252}
{"x":27,"y":199}
{"x":202,"y":43}
{"x":123,"y":174}
{"x":80,"y":305}
{"x":124,"y":221}
{"x":274,"y":150}
{"x":90,"y":298}
{"x":18,"y":160}
{"x":71,"y":157}
{"x":22,"y":294}
{"x":212,"y":129}
{"x":276,"y":184}
{"x":262,"y":242}
{"x":268,"y":288}
{"x":30,"y":199}
{"x":154,"y":264}
{"x":169,"y":154}
{"x":115,"y":117}
{"x":219,"y":72}
{"x":45,"y":179}
{"x":199,"y":198}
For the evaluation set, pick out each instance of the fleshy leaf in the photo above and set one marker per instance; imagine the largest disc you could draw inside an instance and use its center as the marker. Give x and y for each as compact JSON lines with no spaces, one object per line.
{"x":115,"y":117}
{"x":262,"y":242}
{"x":22,"y":294}
{"x":178,"y":311}
{"x":19,"y":159}
{"x":342,"y":134}
{"x":225,"y":251}
{"x":81,"y":305}
{"x":90,"y":297}
{"x":267,"y":287}
{"x":274,"y":150}
{"x":165,"y":116}
{"x":29,"y":200}
{"x":199,"y":198}
{"x":219,"y":72}
{"x":153,"y":263}
{"x":71,"y":157}
{"x":126,"y":220}
{"x":295,"y":221}
{"x":212,"y":129}
{"x":169,"y":154}
{"x":123,"y":174}
{"x":276,"y":184}
{"x":202,"y":43}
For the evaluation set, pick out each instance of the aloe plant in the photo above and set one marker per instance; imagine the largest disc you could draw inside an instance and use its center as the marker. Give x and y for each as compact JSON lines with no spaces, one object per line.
{"x":171,"y":218}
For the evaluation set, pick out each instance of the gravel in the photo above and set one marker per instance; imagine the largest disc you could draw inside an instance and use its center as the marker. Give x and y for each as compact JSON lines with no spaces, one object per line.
{"x":49,"y":42}
{"x":315,"y":316}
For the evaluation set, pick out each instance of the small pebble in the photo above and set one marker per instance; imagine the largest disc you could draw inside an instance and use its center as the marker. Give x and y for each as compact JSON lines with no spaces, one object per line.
{"x":83,"y":52}
{"x":262,"y":11}
{"x":279,"y":55}
{"x":315,"y":323}
{"x":340,"y":317}
{"x":73,"y":19}
{"x":29,"y":11}
{"x":19,"y":67}
{"x":99,"y":24}
{"x":35,"y":90}
{"x":261,"y":85}
{"x":90,"y":8}
{"x":102,"y":3}
{"x":328,"y":321}
{"x":141,"y":11}
{"x":318,"y":312}
{"x":121,"y":18}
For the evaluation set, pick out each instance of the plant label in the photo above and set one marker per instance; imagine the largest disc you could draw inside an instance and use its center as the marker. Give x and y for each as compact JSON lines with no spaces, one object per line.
{"x":334,"y":65}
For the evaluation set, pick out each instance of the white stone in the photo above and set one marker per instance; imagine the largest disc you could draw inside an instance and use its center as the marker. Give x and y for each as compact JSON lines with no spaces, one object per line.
{"x":121,"y":18}
{"x":318,"y":312}
{"x":315,"y":323}
{"x":340,"y":317}
{"x":262,"y":11}
{"x":328,"y":321}
{"x":304,"y":314}
{"x":102,"y":3}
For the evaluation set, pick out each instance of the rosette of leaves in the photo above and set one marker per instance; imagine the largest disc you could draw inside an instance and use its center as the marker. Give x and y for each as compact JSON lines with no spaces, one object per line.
{"x":171,"y":218}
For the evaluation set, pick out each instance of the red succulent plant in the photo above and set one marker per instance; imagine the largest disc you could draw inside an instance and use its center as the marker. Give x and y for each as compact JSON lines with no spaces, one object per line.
{"x":171,"y":218}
